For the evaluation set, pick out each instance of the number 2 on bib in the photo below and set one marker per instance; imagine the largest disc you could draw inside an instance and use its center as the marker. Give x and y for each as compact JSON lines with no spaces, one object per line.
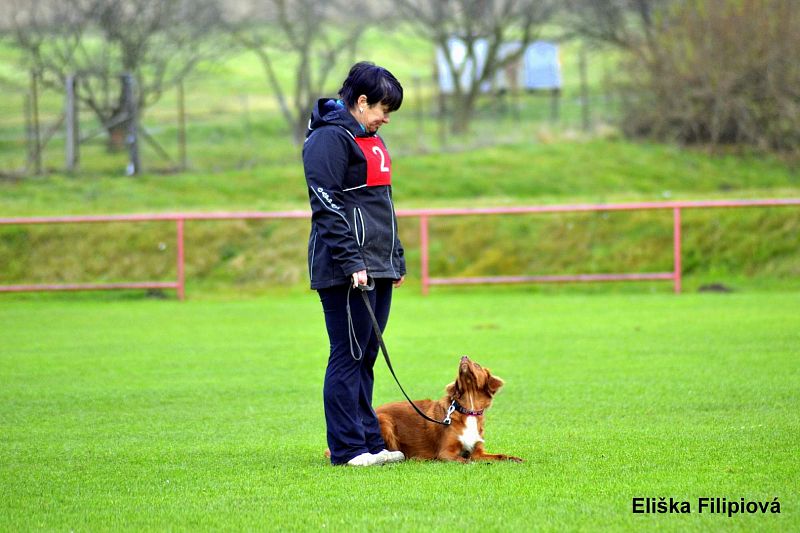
{"x":377,"y":150}
{"x":379,"y":164}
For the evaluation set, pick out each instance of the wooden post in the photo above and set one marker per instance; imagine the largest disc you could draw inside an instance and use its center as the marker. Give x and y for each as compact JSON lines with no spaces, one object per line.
{"x":132,"y":137}
{"x":677,"y":270}
{"x":442,"y":101}
{"x":28,"y":133}
{"x":513,"y":76}
{"x":424,"y":253}
{"x":72,"y":142}
{"x":181,"y":261}
{"x":181,"y":128}
{"x":584,"y":89}
{"x":35,"y":140}
{"x":555,"y":104}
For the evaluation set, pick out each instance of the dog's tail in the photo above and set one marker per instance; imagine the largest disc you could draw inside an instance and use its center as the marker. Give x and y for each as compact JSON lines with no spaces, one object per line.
{"x":387,"y":432}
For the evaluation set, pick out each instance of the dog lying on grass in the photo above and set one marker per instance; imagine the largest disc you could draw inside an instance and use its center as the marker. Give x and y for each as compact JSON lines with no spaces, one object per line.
{"x":403,"y":429}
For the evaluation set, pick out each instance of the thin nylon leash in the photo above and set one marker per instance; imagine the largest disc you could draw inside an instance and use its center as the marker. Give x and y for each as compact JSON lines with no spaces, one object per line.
{"x":377,"y":329}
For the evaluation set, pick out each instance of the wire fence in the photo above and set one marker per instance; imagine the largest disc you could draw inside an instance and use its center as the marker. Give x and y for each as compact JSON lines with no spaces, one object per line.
{"x":214,"y":125}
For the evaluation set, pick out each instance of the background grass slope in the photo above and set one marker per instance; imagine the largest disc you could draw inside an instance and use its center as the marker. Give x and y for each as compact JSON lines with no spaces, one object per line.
{"x":720,"y":245}
{"x":139,"y":415}
{"x":554,"y":172}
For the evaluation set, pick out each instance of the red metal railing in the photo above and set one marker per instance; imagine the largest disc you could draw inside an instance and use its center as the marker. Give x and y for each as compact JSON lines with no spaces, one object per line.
{"x":179,"y":284}
{"x":676,"y":207}
{"x":424,"y":216}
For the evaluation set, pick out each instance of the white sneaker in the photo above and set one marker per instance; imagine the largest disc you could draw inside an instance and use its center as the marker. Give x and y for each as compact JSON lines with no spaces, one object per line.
{"x":367,"y":459}
{"x":391,"y":457}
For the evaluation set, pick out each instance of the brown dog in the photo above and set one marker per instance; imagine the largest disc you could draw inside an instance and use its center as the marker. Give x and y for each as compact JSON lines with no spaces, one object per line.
{"x":471,"y":394}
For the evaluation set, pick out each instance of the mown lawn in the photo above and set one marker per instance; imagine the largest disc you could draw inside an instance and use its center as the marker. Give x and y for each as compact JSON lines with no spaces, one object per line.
{"x":131,"y":414}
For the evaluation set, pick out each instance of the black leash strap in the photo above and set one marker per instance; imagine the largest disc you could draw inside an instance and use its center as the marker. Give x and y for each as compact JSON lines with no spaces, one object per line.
{"x":376,"y":327}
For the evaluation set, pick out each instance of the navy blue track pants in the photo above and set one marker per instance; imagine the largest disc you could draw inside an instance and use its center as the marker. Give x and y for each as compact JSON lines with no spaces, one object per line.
{"x":352,"y":425}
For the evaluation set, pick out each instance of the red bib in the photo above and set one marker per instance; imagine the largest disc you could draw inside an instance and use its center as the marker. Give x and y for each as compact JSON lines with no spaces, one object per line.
{"x":379,"y":166}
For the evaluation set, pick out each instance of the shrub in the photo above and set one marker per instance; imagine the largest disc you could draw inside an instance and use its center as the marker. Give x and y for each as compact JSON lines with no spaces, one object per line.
{"x":719,"y":72}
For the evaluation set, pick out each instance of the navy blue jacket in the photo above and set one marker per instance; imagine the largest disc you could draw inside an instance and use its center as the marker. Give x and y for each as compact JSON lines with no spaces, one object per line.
{"x":353,"y":225}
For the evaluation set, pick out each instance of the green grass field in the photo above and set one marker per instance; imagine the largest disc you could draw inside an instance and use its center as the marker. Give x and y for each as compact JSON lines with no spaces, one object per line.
{"x":122,"y":413}
{"x":119,"y":412}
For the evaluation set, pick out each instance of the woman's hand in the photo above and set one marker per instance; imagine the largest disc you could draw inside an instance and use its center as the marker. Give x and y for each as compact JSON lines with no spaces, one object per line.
{"x":359,"y":278}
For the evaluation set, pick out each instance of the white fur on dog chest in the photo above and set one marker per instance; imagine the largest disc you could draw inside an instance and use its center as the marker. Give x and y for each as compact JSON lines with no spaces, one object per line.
{"x":470,"y":436}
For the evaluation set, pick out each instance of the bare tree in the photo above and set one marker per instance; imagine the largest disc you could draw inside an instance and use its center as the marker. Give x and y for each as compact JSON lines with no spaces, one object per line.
{"x":495,"y":22}
{"x":317,"y":37}
{"x":157,"y":41}
{"x":622,"y":23}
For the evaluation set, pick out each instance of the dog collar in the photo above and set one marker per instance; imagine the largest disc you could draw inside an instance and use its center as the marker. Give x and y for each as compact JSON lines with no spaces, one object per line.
{"x":463,"y":410}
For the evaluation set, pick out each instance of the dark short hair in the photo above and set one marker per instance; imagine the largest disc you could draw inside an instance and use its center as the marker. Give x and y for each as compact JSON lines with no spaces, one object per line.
{"x":376,"y":83}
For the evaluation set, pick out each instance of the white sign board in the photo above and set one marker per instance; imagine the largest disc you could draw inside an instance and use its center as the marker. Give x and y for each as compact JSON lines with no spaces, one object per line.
{"x":540,"y":66}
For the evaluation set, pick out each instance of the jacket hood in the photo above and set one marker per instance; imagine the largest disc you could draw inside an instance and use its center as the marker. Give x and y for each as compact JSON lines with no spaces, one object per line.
{"x":330,"y":112}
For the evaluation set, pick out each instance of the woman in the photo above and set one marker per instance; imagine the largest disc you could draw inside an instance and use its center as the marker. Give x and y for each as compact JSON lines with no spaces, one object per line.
{"x":353,"y":236}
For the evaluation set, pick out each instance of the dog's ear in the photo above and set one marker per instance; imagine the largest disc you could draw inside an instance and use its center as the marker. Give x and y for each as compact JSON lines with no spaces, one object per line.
{"x":493,"y":384}
{"x":452,"y":390}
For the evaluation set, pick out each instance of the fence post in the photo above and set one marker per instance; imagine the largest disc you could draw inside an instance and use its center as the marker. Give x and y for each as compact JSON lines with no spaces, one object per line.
{"x":71,"y":119}
{"x":582,"y":65}
{"x":442,"y":118}
{"x":132,"y":133}
{"x":181,"y":271}
{"x":423,"y":244}
{"x":555,"y":104}
{"x":34,"y":141}
{"x":676,"y":236}
{"x":182,"y":128}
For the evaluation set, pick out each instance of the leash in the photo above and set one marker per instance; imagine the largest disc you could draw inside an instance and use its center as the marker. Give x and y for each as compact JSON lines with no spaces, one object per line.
{"x":376,"y":327}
